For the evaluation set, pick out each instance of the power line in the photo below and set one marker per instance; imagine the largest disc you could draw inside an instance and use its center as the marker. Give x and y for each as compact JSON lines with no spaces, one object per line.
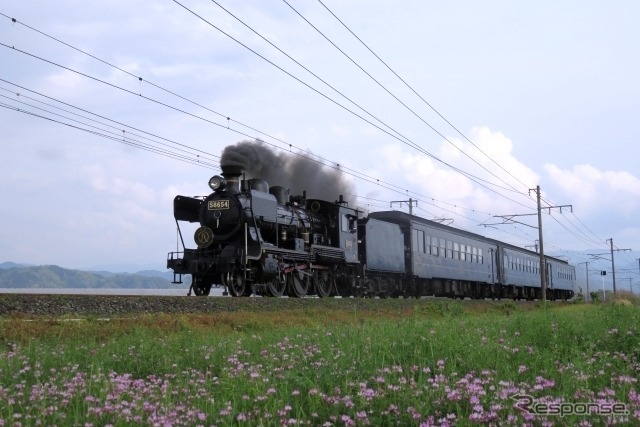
{"x":128,"y":140}
{"x":417,"y":94}
{"x":474,"y":178}
{"x":167,"y":104}
{"x":395,"y":97}
{"x":184,"y":98}
{"x":310,"y":156}
{"x":112,"y":137}
{"x":102,"y":117}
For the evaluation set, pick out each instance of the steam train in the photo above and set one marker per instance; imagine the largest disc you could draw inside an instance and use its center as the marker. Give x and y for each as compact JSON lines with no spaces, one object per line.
{"x":256,"y":239}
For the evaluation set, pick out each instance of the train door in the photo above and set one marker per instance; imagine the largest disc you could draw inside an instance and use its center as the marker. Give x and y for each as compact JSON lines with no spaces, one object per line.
{"x":348,"y":236}
{"x":549,"y":275}
{"x":500,"y":264}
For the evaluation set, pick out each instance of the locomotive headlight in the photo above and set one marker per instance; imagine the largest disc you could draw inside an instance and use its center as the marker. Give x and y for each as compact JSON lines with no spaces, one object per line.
{"x":217,"y":183}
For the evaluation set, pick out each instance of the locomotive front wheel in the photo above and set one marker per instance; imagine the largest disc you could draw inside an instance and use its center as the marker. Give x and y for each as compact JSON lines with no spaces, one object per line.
{"x":322,"y":283}
{"x":276,"y":287}
{"x":298,"y":284}
{"x":236,"y":285}
{"x":201,"y":287}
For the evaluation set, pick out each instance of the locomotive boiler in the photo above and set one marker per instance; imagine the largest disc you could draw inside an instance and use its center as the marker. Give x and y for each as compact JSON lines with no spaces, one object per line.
{"x":254,"y":238}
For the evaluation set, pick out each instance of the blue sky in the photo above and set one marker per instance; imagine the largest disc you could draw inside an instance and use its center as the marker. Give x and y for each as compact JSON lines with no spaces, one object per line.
{"x":547,"y":93}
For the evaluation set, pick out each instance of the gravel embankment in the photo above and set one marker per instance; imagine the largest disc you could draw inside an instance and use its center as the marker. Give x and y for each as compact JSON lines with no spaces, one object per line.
{"x":109,"y":305}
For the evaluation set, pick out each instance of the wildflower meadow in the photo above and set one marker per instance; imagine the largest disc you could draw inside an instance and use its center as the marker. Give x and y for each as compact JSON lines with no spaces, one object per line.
{"x":438,"y":364}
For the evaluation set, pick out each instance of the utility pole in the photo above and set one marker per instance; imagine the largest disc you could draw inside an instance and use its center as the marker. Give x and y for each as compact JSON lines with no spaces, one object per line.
{"x":613,"y":269}
{"x":409,"y":202}
{"x":508,"y":219}
{"x":586,"y":298}
{"x":543,"y":265}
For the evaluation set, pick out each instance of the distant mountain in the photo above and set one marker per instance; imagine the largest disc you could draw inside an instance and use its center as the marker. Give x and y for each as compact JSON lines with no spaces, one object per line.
{"x":5,"y":265}
{"x":52,"y":276}
{"x":124,"y":268}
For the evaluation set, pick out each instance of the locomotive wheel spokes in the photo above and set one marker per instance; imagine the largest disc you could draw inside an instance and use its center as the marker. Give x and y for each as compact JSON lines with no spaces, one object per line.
{"x":298,"y":284}
{"x":322,"y":283}
{"x":276,"y":287}
{"x":200,"y":286}
{"x":236,"y":285}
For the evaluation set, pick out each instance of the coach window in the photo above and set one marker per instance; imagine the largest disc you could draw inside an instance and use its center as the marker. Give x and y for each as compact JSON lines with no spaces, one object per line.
{"x":469,"y":253}
{"x":480,"y":257}
{"x":475,"y":254}
{"x":434,"y":246}
{"x":449,"y":249}
{"x":427,"y":245}
{"x":456,"y":250}
{"x":443,"y":252}
{"x":418,"y":241}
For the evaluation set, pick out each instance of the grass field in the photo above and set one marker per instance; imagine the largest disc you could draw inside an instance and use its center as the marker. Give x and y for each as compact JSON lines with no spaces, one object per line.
{"x":437,"y":363}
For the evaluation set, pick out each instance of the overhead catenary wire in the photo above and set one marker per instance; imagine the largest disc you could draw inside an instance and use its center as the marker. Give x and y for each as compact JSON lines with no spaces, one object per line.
{"x":179,"y":146}
{"x":112,"y":137}
{"x":211,"y":110}
{"x":482,"y":182}
{"x":160,"y":87}
{"x":471,"y":177}
{"x":188,"y":113}
{"x":407,"y":85}
{"x":300,"y":154}
{"x":115,"y":136}
{"x":418,"y":95}
{"x":400,"y":101}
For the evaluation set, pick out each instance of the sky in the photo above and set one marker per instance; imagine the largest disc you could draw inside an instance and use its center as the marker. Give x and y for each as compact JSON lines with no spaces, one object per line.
{"x":465,"y":107}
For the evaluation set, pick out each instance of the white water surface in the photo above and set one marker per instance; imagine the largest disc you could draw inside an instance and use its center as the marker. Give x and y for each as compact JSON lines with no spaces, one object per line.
{"x":106,"y":291}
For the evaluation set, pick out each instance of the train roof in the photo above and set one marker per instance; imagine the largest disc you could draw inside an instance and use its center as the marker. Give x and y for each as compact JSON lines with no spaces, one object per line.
{"x":399,"y":217}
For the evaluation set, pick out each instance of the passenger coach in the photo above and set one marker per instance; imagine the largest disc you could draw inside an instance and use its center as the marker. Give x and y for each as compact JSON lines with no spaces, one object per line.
{"x":447,"y":261}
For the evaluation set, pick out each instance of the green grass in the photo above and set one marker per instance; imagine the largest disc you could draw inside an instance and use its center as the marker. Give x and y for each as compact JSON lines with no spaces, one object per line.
{"x":444,"y":363}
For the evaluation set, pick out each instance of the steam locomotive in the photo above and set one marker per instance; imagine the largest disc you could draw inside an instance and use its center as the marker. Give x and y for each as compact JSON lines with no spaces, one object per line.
{"x":256,"y":239}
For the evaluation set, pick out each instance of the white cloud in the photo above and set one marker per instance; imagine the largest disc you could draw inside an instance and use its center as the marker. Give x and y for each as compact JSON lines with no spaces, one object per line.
{"x":435,"y":179}
{"x":596,"y":190}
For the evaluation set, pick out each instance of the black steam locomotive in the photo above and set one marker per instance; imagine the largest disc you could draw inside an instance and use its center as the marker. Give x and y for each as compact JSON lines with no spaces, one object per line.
{"x":256,"y":239}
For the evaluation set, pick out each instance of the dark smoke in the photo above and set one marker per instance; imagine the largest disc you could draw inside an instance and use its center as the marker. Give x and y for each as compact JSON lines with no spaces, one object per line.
{"x":288,"y":170}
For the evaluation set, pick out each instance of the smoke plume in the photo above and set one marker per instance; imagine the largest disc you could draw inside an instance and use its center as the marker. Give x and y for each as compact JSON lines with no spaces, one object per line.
{"x":289,"y":170}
